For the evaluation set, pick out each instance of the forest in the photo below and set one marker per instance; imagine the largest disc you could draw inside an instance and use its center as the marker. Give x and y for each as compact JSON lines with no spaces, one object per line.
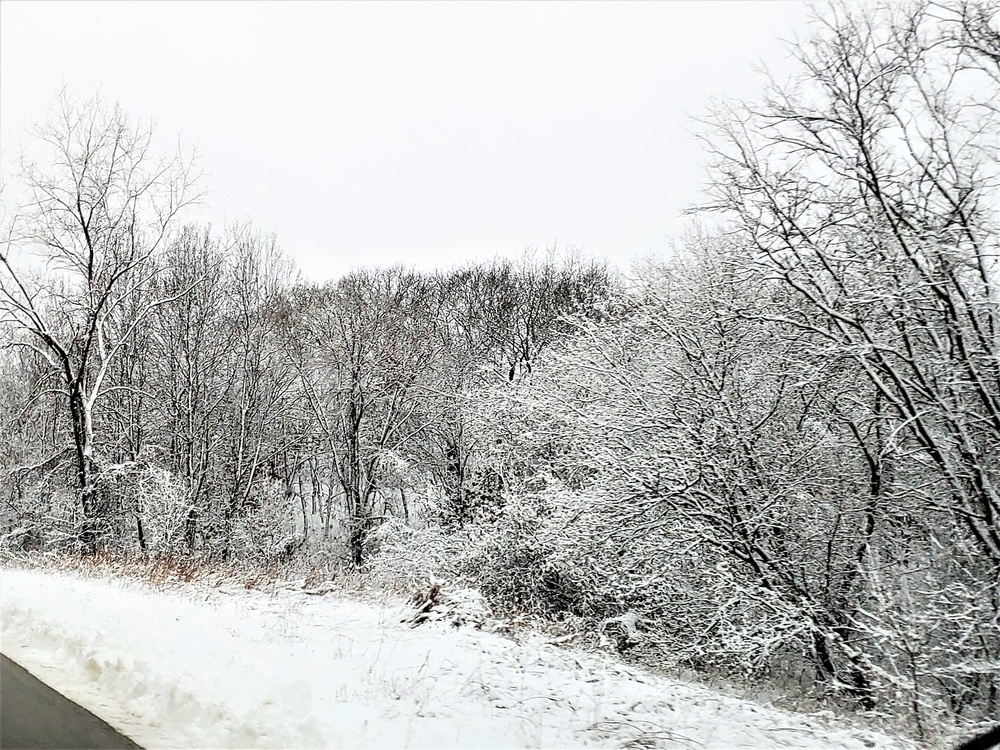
{"x":773,"y":455}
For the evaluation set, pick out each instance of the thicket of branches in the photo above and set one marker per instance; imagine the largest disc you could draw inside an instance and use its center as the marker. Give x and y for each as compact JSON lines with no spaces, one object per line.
{"x":775,"y":454}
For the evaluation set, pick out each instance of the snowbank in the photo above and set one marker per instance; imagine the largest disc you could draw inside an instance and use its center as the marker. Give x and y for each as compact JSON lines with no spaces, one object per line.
{"x":203,"y":667}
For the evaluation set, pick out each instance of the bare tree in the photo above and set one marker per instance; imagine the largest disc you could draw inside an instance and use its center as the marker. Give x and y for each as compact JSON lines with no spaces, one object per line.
{"x":80,"y":248}
{"x":868,"y":188}
{"x":191,"y":366}
{"x":367,"y":345}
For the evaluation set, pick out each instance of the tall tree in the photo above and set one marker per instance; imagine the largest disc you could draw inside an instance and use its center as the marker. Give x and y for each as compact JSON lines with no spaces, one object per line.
{"x":367,"y":346}
{"x":98,"y":210}
{"x":867,"y":187}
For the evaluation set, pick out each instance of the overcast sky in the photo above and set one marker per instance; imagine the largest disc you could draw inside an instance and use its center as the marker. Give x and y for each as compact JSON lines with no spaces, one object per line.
{"x":426,"y":134}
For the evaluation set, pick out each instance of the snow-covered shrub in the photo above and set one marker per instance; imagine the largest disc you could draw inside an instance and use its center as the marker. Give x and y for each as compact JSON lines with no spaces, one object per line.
{"x":25,"y":536}
{"x":407,"y":557}
{"x":525,"y":560}
{"x":50,"y":521}
{"x":563,"y":554}
{"x":695,"y":608}
{"x":265,"y":528}
{"x":37,"y":508}
{"x":146,"y":508}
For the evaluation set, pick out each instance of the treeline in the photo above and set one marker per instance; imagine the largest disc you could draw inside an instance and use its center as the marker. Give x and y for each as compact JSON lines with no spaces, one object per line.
{"x":217,"y":404}
{"x":775,"y":454}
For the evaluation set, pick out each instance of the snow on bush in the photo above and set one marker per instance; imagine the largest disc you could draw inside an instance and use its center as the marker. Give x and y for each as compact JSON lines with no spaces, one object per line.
{"x":561,"y":555}
{"x":148,"y":494}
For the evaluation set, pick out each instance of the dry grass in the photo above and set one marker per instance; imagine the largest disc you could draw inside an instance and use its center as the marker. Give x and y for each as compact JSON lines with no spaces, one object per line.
{"x":315,"y":575}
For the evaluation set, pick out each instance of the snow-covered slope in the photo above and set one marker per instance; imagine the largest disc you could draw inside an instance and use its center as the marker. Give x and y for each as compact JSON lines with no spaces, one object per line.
{"x":197,"y":666}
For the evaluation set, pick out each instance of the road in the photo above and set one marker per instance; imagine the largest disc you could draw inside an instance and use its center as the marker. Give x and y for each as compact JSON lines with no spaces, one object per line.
{"x":33,"y":715}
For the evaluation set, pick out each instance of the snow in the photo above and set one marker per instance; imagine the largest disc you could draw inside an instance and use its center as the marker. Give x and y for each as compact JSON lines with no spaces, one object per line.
{"x":196,"y":665}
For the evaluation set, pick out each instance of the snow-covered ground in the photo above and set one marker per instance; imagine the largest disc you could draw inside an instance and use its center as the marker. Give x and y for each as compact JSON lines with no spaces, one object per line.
{"x":202,"y":666}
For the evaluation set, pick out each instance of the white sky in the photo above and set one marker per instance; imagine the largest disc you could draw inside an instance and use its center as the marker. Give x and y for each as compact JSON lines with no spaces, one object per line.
{"x":424,"y":133}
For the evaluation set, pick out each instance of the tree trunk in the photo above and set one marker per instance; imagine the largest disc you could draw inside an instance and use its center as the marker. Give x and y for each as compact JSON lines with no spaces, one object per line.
{"x":83,"y":438}
{"x":191,"y":527}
